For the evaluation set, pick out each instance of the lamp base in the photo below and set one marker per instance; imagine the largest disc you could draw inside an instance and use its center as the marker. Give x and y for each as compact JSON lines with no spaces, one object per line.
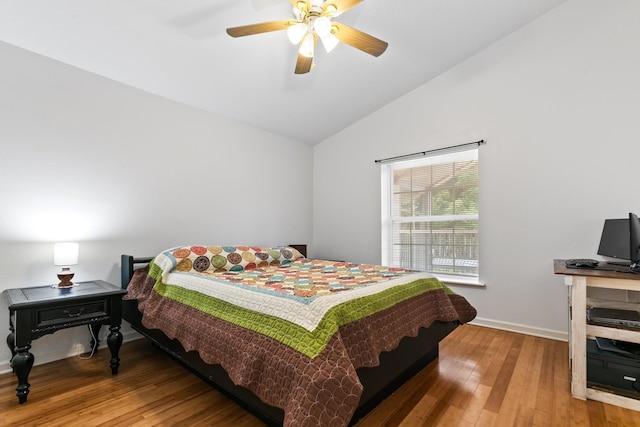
{"x":65,"y":277}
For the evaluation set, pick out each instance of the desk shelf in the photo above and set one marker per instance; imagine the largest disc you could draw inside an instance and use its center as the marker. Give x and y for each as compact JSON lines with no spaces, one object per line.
{"x":613,"y":333}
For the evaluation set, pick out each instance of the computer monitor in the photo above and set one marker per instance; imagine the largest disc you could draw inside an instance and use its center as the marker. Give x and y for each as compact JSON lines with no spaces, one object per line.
{"x":634,"y":242}
{"x":615,"y":241}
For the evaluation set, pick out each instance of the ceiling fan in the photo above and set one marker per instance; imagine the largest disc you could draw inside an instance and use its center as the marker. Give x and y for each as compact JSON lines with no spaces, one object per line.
{"x":313,"y":20}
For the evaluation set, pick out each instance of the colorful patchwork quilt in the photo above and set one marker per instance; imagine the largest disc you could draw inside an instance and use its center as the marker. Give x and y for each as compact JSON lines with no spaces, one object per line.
{"x":290,"y":329}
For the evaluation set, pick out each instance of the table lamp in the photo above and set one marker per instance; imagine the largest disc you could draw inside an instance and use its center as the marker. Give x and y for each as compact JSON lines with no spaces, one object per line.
{"x":65,"y":255}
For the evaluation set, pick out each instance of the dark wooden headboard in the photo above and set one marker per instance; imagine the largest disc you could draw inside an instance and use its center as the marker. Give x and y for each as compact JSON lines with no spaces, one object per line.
{"x":127,"y":267}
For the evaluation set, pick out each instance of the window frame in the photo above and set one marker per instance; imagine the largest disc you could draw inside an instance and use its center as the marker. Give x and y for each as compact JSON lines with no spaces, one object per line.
{"x":387,"y":174}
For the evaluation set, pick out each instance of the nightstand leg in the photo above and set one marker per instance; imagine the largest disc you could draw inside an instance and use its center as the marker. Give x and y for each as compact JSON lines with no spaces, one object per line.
{"x":22,"y":363}
{"x":114,"y":341}
{"x":11,"y":338}
{"x":11,"y":342}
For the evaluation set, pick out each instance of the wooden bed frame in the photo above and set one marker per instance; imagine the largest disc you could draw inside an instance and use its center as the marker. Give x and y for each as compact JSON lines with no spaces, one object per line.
{"x":396,"y":367}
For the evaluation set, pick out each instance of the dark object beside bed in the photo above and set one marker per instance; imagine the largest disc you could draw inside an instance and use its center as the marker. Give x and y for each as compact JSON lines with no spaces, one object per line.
{"x":397,"y":366}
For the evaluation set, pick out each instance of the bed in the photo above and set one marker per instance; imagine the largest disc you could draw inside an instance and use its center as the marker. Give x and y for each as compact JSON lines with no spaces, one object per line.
{"x":296,"y":341}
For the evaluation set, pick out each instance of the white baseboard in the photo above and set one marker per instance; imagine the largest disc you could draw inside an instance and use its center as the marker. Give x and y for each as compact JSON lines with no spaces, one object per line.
{"x":63,"y":353}
{"x":522,"y":329}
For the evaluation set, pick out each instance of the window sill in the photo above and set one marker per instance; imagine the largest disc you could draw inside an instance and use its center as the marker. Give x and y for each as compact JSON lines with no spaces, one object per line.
{"x":460,"y":280}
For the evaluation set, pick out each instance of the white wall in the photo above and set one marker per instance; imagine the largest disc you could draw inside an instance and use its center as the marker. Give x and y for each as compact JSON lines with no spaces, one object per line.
{"x":558,"y":104}
{"x":85,"y":159}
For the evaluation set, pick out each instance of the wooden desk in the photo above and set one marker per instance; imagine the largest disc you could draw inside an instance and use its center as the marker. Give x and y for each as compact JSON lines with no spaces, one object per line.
{"x":578,"y":280}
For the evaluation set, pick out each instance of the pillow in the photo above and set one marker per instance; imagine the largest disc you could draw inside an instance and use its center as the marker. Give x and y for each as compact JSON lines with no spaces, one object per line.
{"x":231,"y":258}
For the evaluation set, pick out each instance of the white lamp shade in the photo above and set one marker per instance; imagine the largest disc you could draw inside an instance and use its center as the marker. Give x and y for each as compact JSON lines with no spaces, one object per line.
{"x":295,"y":32}
{"x":322,"y":26}
{"x":65,"y":254}
{"x":308,"y":45}
{"x":329,"y":42}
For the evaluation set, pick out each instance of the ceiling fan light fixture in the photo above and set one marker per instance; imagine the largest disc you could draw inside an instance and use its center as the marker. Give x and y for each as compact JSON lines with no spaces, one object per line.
{"x":330,"y":9}
{"x":322,"y":26}
{"x":302,"y":6}
{"x":296,"y":32}
{"x":307,"y":46}
{"x":329,"y":42}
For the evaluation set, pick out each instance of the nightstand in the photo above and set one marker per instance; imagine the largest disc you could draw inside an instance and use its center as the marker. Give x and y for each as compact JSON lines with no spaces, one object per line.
{"x":42,"y":310}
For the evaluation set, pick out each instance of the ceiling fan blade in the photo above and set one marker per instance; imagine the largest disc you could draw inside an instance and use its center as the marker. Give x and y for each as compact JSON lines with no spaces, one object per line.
{"x":303,"y":64}
{"x":307,"y":46}
{"x":341,"y":6}
{"x":265,"y":27}
{"x":358,"y":39}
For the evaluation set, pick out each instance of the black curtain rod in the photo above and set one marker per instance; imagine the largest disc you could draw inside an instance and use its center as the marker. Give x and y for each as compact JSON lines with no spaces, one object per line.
{"x":424,"y":153}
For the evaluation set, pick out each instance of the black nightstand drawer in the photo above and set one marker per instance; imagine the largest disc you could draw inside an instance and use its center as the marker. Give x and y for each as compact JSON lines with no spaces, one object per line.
{"x":53,"y":316}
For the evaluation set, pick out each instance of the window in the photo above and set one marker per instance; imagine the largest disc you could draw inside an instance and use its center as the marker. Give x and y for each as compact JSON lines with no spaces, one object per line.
{"x":430,"y":214}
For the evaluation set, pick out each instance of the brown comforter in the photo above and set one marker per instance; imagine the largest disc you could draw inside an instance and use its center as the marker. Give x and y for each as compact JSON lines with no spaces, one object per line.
{"x":319,"y":391}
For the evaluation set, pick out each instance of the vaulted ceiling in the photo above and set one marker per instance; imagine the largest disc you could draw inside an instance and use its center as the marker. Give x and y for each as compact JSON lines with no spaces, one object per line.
{"x":180,"y":50}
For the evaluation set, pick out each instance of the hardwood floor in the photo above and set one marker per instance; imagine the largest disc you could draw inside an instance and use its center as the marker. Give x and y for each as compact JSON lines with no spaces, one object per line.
{"x":484,"y":377}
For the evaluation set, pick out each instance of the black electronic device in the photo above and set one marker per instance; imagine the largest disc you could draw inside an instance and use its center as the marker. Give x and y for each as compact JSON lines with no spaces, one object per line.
{"x":614,"y":317}
{"x":581,"y":263}
{"x":615,"y":241}
{"x":634,"y":242}
{"x":621,"y":240}
{"x":612,"y":370}
{"x":622,"y":348}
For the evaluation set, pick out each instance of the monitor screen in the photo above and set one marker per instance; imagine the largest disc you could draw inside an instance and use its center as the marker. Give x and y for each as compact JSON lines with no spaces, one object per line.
{"x":615,"y":239}
{"x":634,"y":241}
